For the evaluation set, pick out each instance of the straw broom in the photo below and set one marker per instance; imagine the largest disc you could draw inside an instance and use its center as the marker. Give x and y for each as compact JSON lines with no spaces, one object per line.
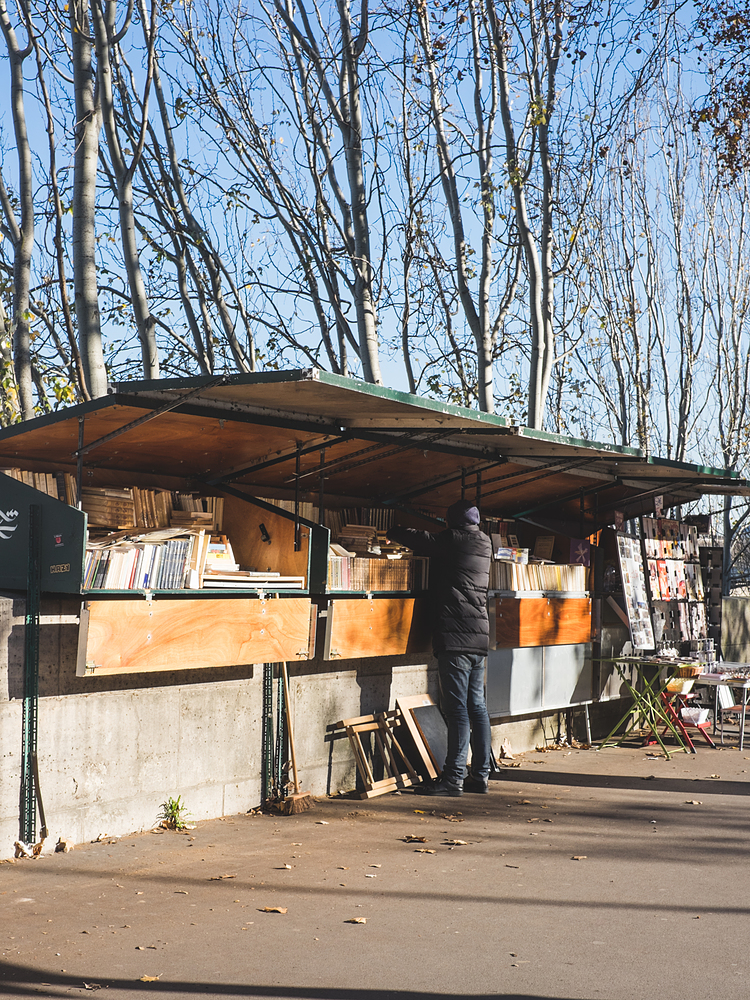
{"x":298,"y":801}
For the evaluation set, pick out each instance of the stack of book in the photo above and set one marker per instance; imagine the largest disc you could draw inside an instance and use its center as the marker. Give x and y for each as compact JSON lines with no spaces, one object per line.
{"x":60,"y":485}
{"x":148,"y":564}
{"x":250,"y":580}
{"x":537,"y":576}
{"x":355,"y":573}
{"x":108,"y":508}
{"x":191,"y":511}
{"x":359,"y":538}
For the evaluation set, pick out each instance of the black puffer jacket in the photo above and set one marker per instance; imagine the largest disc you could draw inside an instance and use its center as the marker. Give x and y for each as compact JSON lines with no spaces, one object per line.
{"x":459,"y":578}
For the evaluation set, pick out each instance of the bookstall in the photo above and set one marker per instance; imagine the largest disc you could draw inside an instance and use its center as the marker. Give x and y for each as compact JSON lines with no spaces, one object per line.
{"x":212,"y":523}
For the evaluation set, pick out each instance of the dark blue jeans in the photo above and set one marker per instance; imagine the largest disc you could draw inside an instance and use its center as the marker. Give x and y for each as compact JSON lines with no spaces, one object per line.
{"x":463,"y":705}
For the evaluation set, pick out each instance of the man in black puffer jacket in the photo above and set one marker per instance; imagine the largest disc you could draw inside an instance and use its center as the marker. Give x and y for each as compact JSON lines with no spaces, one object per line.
{"x":459,"y":578}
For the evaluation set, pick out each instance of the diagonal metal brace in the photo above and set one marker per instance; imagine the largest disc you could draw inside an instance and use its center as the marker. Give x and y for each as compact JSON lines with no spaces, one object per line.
{"x":171,"y":405}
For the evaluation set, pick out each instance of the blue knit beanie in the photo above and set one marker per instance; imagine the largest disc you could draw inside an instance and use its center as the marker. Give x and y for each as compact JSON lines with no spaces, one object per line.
{"x":461,"y":513}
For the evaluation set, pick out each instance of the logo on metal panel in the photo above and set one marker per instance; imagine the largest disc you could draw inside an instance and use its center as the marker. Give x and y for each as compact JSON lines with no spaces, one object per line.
{"x":6,"y":523}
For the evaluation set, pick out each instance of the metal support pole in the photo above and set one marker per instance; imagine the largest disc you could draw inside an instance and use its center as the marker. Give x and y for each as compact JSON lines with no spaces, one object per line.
{"x":27,"y":824}
{"x":266,"y":774}
{"x":79,"y":461}
{"x":297,"y":526}
{"x":280,"y":777}
{"x":321,"y":489}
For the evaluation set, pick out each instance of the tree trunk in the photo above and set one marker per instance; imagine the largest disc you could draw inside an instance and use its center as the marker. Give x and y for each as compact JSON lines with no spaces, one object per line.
{"x":22,"y":233}
{"x":84,"y":203}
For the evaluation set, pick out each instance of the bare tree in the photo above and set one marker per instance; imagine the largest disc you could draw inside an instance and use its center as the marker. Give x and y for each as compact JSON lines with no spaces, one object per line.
{"x":20,"y":230}
{"x":87,"y":128}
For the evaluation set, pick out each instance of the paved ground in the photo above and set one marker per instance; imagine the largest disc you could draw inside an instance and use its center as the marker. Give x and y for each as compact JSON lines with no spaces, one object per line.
{"x":583,"y":875}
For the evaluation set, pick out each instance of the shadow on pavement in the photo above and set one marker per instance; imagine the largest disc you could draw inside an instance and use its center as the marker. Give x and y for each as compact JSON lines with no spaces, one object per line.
{"x":20,"y":981}
{"x":707,"y":786}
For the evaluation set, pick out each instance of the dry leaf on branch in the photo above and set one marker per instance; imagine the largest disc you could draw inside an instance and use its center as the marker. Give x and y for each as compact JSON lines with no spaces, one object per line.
{"x":411,"y":839}
{"x":356,"y":920}
{"x":272,"y":909}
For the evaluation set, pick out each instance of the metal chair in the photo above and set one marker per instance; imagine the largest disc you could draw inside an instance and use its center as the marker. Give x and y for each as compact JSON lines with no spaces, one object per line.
{"x":727,"y":706}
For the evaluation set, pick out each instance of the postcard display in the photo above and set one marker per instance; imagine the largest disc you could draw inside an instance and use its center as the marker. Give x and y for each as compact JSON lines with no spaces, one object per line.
{"x":635,"y":591}
{"x":675,"y":580}
{"x":669,"y":584}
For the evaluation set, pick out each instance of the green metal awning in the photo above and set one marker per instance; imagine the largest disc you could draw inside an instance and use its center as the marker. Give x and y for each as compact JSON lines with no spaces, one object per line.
{"x":277,"y":432}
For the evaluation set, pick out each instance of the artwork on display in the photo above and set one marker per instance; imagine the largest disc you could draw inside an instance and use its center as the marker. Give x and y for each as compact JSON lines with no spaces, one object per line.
{"x":635,"y":591}
{"x":674,"y":573}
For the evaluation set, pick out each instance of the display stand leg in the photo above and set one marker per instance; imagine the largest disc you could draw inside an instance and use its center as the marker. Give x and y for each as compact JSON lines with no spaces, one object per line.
{"x":29,"y":767}
{"x":266,"y":777}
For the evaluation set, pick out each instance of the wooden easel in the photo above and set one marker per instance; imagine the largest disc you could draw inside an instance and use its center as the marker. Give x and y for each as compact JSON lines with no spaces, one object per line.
{"x":388,"y":751}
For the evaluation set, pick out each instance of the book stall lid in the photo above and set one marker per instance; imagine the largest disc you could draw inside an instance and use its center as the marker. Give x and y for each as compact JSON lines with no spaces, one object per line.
{"x":271,"y":433}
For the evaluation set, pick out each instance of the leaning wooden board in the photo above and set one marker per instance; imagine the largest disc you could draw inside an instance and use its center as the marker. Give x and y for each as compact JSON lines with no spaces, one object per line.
{"x":138,"y":636}
{"x":542,"y":621}
{"x":376,"y":627}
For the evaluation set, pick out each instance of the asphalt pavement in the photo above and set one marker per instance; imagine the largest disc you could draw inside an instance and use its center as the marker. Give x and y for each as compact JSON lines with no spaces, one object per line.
{"x":606,"y":875}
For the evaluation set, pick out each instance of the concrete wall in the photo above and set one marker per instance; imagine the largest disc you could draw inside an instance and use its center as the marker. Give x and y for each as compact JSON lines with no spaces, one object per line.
{"x":112,"y":749}
{"x":735,"y":629}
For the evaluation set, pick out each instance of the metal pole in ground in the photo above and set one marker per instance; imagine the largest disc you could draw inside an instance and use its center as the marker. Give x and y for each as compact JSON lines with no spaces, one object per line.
{"x":27,"y":819}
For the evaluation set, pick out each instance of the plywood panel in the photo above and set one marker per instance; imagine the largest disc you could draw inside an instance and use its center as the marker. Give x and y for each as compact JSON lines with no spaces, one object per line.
{"x":385,"y":627}
{"x":242,"y":522}
{"x":137,"y":636}
{"x":542,"y":621}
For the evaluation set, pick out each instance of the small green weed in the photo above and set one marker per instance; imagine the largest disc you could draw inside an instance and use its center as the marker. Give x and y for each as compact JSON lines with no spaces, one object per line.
{"x":174,"y":814}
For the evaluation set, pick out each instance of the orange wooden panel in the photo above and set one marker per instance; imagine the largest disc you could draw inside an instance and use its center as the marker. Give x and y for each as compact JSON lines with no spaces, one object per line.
{"x":383,"y":627}
{"x":542,"y":621}
{"x":137,"y":636}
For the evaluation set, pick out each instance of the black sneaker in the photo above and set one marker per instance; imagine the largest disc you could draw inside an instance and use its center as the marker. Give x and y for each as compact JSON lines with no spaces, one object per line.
{"x":439,"y":787}
{"x":474,"y":784}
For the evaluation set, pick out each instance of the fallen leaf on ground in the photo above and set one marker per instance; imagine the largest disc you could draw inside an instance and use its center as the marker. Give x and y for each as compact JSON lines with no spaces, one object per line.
{"x":512,"y":866}
{"x":524,"y":802}
{"x":456,"y":843}
{"x":375,"y":866}
{"x":272,"y":909}
{"x":322,"y":822}
{"x":424,"y":850}
{"x":419,"y":812}
{"x":534,"y":819}
{"x":356,"y":920}
{"x":281,"y":868}
{"x":183,"y":891}
{"x":714,"y":775}
{"x":343,"y":868}
{"x":693,"y":802}
{"x":411,"y":839}
{"x":579,"y":857}
{"x":149,"y":979}
{"x":453,"y":817}
{"x":218,"y":878}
